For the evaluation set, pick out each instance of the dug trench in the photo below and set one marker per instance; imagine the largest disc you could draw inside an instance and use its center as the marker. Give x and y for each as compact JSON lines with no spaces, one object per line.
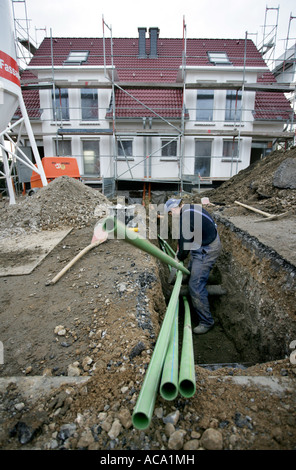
{"x":76,"y":353}
{"x":252,"y":298}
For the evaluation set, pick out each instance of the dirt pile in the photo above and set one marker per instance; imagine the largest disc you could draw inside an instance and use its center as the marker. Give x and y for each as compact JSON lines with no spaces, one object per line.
{"x":100,"y":322}
{"x":257,"y":185}
{"x":65,"y":202}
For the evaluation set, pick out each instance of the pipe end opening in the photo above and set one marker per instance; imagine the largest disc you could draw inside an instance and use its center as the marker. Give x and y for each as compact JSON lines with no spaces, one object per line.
{"x":140,"y":420}
{"x":168,"y":391}
{"x":187,"y":388}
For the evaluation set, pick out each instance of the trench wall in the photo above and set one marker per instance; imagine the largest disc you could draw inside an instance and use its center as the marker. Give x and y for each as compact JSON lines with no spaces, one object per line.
{"x":258,"y":313}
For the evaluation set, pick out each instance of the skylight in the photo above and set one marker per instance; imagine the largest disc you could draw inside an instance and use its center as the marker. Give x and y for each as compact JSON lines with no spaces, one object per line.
{"x":77,"y":57}
{"x":218,"y":57}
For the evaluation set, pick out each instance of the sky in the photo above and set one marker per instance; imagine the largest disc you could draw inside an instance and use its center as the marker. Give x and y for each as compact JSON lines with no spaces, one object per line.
{"x":203,"y":18}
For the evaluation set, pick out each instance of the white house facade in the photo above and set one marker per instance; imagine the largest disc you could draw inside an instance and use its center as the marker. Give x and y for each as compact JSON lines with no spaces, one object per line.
{"x":150,"y":111}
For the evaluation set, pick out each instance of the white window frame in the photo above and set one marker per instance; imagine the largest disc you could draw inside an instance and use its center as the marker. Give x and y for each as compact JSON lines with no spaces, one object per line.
{"x":120,"y":144}
{"x":84,"y":141}
{"x":96,"y":108}
{"x":165,"y":144}
{"x":77,"y":57}
{"x":218,"y":58}
{"x":207,"y":95}
{"x":230,"y":158}
{"x":208,"y":157}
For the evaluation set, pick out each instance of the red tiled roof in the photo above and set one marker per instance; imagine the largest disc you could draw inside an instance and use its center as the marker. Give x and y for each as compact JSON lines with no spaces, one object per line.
{"x":167,"y":103}
{"x":269,"y":105}
{"x":31,"y":98}
{"x":130,"y":67}
{"x":164,"y":68}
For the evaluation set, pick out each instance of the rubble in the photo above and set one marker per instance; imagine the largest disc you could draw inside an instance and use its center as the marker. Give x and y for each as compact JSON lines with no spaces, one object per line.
{"x":65,"y":202}
{"x":96,"y":328}
{"x":257,"y":185}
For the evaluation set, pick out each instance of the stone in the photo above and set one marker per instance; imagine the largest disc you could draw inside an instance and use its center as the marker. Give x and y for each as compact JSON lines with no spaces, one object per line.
{"x":176,"y":440}
{"x":136,"y":351}
{"x":125,"y":418}
{"x":29,"y":427}
{"x":285,"y":176}
{"x":86,"y":362}
{"x":169,"y":429}
{"x":193,"y":444}
{"x":66,"y":431}
{"x":172,"y":417}
{"x":60,"y":330}
{"x":86,"y":439}
{"x":19,"y":406}
{"x":212,"y":439}
{"x":73,"y":370}
{"x":121,"y":287}
{"x":115,"y":429}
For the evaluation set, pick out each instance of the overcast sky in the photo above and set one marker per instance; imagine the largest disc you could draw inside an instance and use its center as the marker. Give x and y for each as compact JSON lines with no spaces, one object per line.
{"x":203,"y":18}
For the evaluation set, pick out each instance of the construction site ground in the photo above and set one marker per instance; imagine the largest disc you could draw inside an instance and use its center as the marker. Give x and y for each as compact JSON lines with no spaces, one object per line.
{"x":75,"y":352}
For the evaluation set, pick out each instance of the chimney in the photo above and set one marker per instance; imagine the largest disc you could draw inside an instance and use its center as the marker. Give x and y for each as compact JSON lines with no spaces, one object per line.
{"x":142,"y":43}
{"x":153,"y":42}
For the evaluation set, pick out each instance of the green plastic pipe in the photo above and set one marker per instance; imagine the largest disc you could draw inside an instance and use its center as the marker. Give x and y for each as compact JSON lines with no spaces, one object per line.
{"x":112,"y":224}
{"x":167,"y":247}
{"x":187,"y":384}
{"x":169,"y":380}
{"x":143,"y":410}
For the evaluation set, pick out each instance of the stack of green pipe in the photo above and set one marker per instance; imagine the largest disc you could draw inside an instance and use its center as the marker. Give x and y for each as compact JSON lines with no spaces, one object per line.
{"x":166,"y":342}
{"x":186,"y":381}
{"x":145,"y":404}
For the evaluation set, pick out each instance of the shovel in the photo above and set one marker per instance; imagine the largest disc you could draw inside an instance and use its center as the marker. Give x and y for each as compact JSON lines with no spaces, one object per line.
{"x":99,"y":236}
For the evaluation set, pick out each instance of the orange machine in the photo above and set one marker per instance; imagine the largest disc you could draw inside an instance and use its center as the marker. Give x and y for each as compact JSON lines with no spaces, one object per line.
{"x":55,"y":167}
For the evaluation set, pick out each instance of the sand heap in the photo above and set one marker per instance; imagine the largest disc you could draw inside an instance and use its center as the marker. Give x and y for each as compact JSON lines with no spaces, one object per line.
{"x":65,"y":202}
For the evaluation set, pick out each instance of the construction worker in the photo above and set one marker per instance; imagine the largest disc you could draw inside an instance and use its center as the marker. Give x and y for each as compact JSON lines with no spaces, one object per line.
{"x":203,"y":243}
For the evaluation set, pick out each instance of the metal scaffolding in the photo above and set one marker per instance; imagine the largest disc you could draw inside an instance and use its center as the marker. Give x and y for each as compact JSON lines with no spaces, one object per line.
{"x":167,"y":129}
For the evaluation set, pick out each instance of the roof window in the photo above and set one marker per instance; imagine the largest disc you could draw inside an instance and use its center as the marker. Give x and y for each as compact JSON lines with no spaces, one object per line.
{"x":218,"y":58}
{"x":77,"y":57}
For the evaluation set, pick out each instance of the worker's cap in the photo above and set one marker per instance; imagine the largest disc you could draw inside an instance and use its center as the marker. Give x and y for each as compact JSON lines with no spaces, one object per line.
{"x":171,"y":204}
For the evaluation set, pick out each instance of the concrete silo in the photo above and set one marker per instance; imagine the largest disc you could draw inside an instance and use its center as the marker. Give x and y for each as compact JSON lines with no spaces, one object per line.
{"x":11,"y":98}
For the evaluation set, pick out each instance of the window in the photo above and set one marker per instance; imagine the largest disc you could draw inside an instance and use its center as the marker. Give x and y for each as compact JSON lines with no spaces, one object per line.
{"x":89,"y":104}
{"x":63,"y":147}
{"x":91,"y":157}
{"x":203,"y":152}
{"x":233,"y":105}
{"x":230,"y":148}
{"x":169,"y":148}
{"x":125,"y":148}
{"x":204,"y":105}
{"x":60,"y":104}
{"x":77,"y":57}
{"x":218,"y":58}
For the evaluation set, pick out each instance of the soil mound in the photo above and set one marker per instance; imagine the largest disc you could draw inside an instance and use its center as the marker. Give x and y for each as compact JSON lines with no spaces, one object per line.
{"x":65,"y":202}
{"x":256,"y":184}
